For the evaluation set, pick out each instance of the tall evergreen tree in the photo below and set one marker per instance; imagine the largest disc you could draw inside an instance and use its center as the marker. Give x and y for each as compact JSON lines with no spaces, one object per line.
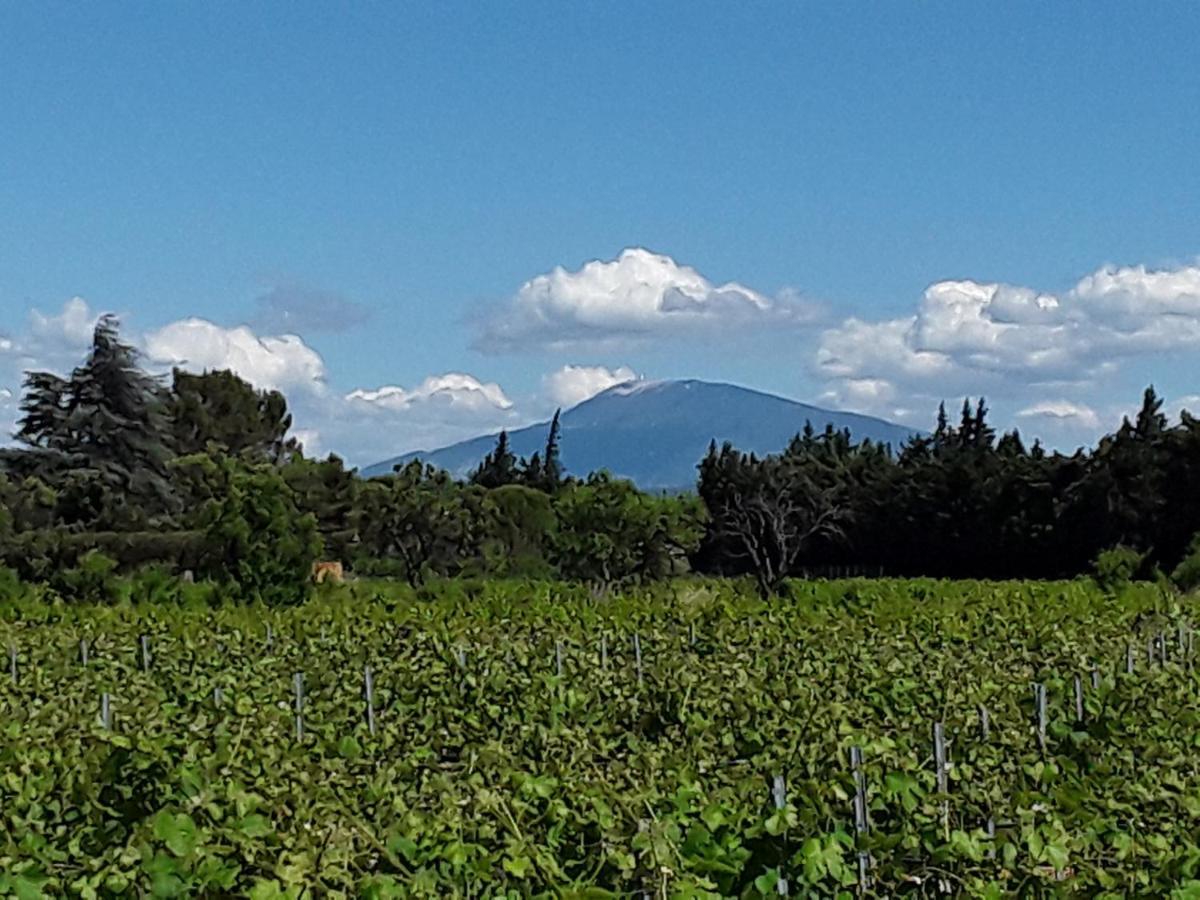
{"x":103,"y":429}
{"x":551,"y":462}
{"x":499,"y":467}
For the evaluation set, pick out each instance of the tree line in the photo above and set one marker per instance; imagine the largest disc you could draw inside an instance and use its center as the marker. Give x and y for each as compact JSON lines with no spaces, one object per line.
{"x":195,"y":473}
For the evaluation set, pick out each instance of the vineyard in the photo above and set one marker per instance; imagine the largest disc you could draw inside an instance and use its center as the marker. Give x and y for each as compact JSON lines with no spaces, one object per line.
{"x":864,"y":737}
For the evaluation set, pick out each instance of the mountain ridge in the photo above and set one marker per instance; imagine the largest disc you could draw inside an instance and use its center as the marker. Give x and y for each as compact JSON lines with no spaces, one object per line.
{"x":656,"y":432}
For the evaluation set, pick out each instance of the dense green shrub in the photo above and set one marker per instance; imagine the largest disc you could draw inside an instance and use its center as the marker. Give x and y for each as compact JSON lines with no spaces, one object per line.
{"x":610,"y":533}
{"x":92,"y":580}
{"x":1187,"y":574}
{"x":255,"y":537}
{"x":1117,"y":566}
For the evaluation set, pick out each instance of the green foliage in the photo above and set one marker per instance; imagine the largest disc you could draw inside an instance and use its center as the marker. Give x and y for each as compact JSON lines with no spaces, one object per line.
{"x":222,"y":412}
{"x":328,"y":490}
{"x":1187,"y":574}
{"x":101,"y":436}
{"x":499,"y":467}
{"x":91,"y":580}
{"x":490,"y":774}
{"x":255,"y":536}
{"x":420,"y":521}
{"x":1118,"y":566}
{"x":609,"y":533}
{"x":520,"y":527}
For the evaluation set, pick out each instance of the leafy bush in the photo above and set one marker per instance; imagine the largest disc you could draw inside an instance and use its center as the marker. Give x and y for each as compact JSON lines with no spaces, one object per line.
{"x":1187,"y":574}
{"x":11,"y":586}
{"x":1117,"y":566}
{"x":256,"y":538}
{"x":610,"y":533}
{"x":92,"y":580}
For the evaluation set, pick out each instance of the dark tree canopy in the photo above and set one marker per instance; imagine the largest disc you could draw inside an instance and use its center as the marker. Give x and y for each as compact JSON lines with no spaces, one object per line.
{"x":221,"y":410}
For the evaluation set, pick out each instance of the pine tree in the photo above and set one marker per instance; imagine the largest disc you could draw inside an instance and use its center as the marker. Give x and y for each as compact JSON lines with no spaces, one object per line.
{"x":499,"y":467}
{"x":551,"y":474}
{"x":107,"y":424}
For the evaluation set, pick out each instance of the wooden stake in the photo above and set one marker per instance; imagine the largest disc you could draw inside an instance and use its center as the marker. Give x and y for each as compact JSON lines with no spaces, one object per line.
{"x":106,"y":711}
{"x":145,"y":642}
{"x":83,"y":651}
{"x":637,"y":655}
{"x":861,"y":821}
{"x":1078,"y":699}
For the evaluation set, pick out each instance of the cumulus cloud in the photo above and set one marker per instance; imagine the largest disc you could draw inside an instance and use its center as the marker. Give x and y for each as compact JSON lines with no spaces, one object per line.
{"x":442,"y":409}
{"x":1062,"y":411}
{"x":279,"y":362}
{"x":454,"y":390}
{"x":571,"y":385}
{"x":295,"y":309}
{"x":637,"y":295}
{"x":72,"y":327}
{"x":968,"y":336}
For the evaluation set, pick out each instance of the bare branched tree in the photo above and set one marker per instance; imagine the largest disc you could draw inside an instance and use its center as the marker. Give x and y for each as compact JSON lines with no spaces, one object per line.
{"x":770,"y":519}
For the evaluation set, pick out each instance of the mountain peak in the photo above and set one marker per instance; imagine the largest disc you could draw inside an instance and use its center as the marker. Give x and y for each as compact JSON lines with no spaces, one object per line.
{"x":656,"y":432}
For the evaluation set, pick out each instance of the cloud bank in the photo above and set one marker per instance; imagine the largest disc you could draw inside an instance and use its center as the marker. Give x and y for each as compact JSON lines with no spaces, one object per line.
{"x":974,"y":337}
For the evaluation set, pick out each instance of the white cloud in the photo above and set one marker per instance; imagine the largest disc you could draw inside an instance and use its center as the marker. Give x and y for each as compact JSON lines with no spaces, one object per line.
{"x":454,"y":390}
{"x":1190,"y":403}
{"x":571,"y":385}
{"x":280,"y":362}
{"x":72,"y":327}
{"x":1065,"y":411}
{"x":638,"y":294}
{"x":381,"y":422}
{"x":972,"y":337}
{"x":309,"y":440}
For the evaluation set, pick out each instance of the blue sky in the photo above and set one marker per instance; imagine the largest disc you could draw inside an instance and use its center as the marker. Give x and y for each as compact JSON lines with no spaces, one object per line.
{"x":381,"y":180}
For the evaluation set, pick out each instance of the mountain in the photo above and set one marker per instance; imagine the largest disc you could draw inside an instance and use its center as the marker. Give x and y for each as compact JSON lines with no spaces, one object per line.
{"x":656,"y":432}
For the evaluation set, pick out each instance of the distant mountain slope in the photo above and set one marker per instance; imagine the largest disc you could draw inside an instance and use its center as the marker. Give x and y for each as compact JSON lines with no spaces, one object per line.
{"x":656,"y":432}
